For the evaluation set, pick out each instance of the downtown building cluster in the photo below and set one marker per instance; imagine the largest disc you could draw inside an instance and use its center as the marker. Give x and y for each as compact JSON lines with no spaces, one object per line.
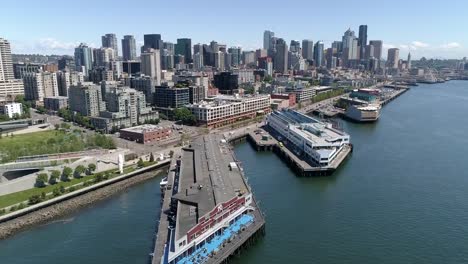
{"x":163,"y":76}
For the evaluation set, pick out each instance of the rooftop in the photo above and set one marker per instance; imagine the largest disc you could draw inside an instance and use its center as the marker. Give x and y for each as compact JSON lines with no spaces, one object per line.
{"x":143,"y":128}
{"x":206,"y":180}
{"x":310,"y":128}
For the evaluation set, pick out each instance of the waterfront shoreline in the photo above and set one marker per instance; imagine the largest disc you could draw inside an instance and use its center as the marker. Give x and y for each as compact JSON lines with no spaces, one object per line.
{"x":44,"y":215}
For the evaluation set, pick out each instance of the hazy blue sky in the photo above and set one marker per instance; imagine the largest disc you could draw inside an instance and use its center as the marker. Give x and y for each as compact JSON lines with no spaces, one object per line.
{"x":427,"y":28}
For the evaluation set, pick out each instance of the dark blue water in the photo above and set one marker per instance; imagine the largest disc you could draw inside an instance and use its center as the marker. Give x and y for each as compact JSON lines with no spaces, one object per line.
{"x":402,"y":197}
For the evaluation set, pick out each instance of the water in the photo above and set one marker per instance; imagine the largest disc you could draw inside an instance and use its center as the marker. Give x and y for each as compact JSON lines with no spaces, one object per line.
{"x":116,"y":230}
{"x":402,"y":197}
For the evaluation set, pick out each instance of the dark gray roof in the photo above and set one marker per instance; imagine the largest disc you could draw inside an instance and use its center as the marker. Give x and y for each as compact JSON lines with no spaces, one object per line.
{"x":205,"y":180}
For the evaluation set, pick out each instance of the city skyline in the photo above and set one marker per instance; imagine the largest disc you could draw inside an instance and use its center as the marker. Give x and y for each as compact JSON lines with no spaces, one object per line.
{"x":416,"y":36}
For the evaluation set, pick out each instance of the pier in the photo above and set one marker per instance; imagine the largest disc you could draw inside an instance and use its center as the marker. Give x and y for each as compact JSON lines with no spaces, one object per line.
{"x":396,"y":94}
{"x":265,"y":139}
{"x":208,"y":212}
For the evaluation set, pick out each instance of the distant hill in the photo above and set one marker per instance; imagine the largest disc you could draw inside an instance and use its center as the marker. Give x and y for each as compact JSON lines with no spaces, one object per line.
{"x":35,"y":58}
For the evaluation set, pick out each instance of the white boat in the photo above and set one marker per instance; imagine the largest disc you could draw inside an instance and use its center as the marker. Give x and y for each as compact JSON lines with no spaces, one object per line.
{"x":163,"y":182}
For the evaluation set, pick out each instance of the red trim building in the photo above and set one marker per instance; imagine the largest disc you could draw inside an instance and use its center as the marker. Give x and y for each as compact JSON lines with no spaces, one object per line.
{"x":145,"y":133}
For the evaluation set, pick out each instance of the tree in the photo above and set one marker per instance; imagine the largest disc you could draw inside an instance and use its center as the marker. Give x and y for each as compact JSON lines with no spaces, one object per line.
{"x":66,"y":173}
{"x":62,"y":189}
{"x":34,"y":199}
{"x":185,"y":115}
{"x":65,"y":125}
{"x":41,"y":179}
{"x":56,"y":192}
{"x":54,"y":176}
{"x":151,"y":159}
{"x":91,"y":168}
{"x":140,"y":163}
{"x":80,"y":169}
{"x":171,"y":153}
{"x":57,"y":126}
{"x":41,"y":110}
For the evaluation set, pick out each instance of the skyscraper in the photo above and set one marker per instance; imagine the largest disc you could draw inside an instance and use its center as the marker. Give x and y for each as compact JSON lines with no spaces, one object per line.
{"x":267,"y":35}
{"x":350,"y":47}
{"x":392,"y":58}
{"x":84,"y":58}
{"x":295,"y":46}
{"x":110,"y":41}
{"x":151,"y":64}
{"x":362,"y":43}
{"x":308,"y":49}
{"x":104,"y":56}
{"x":6,"y":64}
{"x":377,"y":48}
{"x":184,"y":47}
{"x":408,"y":62}
{"x":235,"y":56}
{"x":152,"y":41}
{"x":318,"y":54}
{"x":281,"y":56}
{"x":128,"y":48}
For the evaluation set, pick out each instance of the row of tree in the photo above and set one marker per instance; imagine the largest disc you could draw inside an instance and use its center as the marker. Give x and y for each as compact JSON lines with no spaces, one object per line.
{"x":66,"y":174}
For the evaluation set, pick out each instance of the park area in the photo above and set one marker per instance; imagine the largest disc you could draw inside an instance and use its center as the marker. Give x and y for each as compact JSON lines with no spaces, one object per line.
{"x":50,"y":142}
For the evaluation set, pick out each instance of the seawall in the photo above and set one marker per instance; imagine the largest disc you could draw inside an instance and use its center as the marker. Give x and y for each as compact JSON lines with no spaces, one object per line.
{"x":43,"y":214}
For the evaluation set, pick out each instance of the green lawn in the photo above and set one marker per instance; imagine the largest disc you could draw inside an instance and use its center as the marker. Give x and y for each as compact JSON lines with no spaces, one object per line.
{"x":22,"y":196}
{"x":49,"y":142}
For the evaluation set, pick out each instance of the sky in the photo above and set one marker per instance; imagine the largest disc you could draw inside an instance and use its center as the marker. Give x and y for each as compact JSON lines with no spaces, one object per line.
{"x":429,"y":28}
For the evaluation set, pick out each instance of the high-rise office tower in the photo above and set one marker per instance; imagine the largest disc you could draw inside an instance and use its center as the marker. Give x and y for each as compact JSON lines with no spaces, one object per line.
{"x":235,"y":56}
{"x":330,"y":58}
{"x":350,"y":46}
{"x":152,"y":41}
{"x":266,"y":64}
{"x":408,"y":62}
{"x":393,"y":57}
{"x":219,"y":60}
{"x":110,"y":41}
{"x":369,"y":52}
{"x":128,"y":48}
{"x":318,"y":54}
{"x":103,"y":57}
{"x":6,"y":63}
{"x":227,"y":60}
{"x":84,"y":58}
{"x":362,"y":43}
{"x":281,"y":56}
{"x":198,"y":48}
{"x":378,"y":45}
{"x":151,"y":64}
{"x":267,"y":35}
{"x":248,"y":57}
{"x":214,"y":46}
{"x":308,"y":49}
{"x":338,"y":45}
{"x":184,"y":47}
{"x":260,"y":53}
{"x":170,"y":47}
{"x":295,"y":46}
{"x":197,"y":61}
{"x":167,"y":59}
